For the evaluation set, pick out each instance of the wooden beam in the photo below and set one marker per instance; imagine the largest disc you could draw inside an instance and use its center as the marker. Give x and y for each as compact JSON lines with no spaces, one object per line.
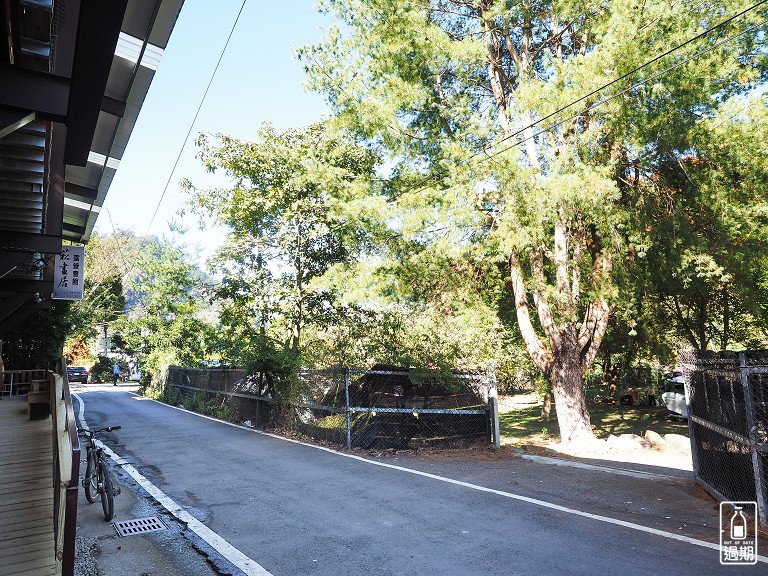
{"x":113,"y":106}
{"x":30,"y":242}
{"x":97,"y":32}
{"x":82,"y":191}
{"x":11,"y":304}
{"x":73,"y":229}
{"x":54,"y":196}
{"x":19,"y":286}
{"x":47,"y":95}
{"x":10,"y":260}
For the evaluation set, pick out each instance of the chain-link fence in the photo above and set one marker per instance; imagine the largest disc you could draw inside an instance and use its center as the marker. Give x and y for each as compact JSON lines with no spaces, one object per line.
{"x":385,"y":407}
{"x":388,"y":407}
{"x":242,"y":395}
{"x":727,"y":397}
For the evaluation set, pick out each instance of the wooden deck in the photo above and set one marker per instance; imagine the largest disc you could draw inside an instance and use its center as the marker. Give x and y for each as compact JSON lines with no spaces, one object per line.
{"x":26,"y":491}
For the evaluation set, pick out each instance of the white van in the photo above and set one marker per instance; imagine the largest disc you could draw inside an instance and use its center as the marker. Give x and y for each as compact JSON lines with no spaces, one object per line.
{"x":674,"y":396}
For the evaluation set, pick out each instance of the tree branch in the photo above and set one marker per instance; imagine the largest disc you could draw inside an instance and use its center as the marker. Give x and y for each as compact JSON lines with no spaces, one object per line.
{"x":596,"y":320}
{"x":541,"y":357}
{"x":682,"y":321}
{"x":561,"y":257}
{"x":578,"y":252}
{"x":542,"y":306}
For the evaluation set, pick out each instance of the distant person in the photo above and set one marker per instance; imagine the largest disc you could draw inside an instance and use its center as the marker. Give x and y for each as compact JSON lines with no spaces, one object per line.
{"x":115,"y":373}
{"x":651,"y":395}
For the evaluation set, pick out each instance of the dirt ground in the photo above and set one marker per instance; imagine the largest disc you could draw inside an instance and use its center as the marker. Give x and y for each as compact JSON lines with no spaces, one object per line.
{"x":668,"y":449}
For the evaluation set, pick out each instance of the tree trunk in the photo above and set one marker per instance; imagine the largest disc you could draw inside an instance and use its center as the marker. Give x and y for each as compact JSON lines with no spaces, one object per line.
{"x":570,"y":402}
{"x":726,"y":321}
{"x":610,"y":378}
{"x":571,"y":352}
{"x":546,"y":407}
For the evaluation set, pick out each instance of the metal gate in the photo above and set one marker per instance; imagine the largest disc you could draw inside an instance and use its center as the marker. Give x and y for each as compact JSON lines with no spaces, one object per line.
{"x":727,"y":396}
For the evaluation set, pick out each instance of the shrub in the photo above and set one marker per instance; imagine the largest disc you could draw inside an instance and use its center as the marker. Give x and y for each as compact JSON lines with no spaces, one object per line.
{"x":102,"y":370}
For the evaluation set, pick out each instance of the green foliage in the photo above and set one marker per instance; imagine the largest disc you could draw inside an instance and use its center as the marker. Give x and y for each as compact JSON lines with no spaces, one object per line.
{"x":164,"y":326}
{"x":107,"y":265}
{"x":215,"y":406}
{"x":101,"y":371}
{"x":218,"y":407}
{"x":706,"y":266}
{"x":278,"y":364}
{"x":287,"y":216}
{"x":167,"y":394}
{"x":444,"y":87}
{"x":38,"y":341}
{"x":195,"y":403}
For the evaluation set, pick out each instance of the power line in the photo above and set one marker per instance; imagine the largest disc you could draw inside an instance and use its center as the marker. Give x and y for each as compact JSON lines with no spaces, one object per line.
{"x":202,"y":101}
{"x":99,"y":289}
{"x":422,"y":185}
{"x":625,"y":90}
{"x":426,"y":180}
{"x":184,"y":143}
{"x":117,"y":241}
{"x":631,"y":72}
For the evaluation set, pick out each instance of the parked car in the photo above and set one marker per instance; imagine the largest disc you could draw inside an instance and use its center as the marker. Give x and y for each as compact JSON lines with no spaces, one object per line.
{"x":77,"y":374}
{"x":674,"y":396}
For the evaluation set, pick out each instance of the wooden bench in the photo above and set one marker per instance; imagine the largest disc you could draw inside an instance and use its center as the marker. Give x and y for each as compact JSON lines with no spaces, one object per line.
{"x":39,"y":400}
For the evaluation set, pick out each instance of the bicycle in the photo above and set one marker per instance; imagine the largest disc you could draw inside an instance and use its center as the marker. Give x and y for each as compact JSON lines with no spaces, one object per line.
{"x":98,"y":479}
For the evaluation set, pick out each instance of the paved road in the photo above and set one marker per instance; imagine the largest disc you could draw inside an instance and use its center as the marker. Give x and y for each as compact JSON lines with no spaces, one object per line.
{"x":296,"y":509}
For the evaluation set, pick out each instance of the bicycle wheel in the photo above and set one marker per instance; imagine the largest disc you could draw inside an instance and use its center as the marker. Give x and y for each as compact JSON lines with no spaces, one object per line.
{"x":90,"y":482}
{"x":107,"y":496}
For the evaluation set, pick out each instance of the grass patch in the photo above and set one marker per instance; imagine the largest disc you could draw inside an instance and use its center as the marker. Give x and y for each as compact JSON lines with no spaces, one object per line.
{"x":334,"y":421}
{"x":522,"y":425}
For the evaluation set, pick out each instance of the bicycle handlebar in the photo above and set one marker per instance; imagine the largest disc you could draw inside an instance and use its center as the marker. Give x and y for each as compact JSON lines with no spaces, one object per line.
{"x":92,"y":433}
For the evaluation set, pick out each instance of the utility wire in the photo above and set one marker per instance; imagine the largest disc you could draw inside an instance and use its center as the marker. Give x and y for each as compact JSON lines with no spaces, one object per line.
{"x":100,"y":289}
{"x":184,"y":143}
{"x":202,"y":101}
{"x":631,"y":72}
{"x":117,"y":240}
{"x":624,"y":91}
{"x":420,"y":185}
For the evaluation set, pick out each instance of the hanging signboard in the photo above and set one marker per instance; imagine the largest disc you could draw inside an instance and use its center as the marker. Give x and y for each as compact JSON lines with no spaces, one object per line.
{"x":68,"y":274}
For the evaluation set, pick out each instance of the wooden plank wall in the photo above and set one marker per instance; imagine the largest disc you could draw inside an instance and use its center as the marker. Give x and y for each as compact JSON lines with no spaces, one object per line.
{"x":26,"y":492}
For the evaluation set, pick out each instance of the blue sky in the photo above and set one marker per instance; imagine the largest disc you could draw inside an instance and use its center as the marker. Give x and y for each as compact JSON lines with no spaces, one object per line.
{"x":258,"y":80}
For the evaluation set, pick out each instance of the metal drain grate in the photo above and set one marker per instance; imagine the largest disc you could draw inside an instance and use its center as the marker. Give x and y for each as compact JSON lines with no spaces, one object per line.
{"x":139,"y":526}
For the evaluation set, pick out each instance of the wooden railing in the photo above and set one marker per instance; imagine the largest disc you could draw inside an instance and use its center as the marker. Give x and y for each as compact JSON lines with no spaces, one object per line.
{"x":66,"y":470}
{"x":13,"y":382}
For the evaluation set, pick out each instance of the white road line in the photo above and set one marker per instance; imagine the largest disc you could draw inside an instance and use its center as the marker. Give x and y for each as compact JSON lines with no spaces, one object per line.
{"x":619,"y":471}
{"x":520,"y":497}
{"x":235,"y":556}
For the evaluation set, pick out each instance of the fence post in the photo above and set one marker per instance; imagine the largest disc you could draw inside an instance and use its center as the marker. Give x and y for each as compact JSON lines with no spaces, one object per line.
{"x":689,"y":373}
{"x":493,"y":404}
{"x":346,"y":396}
{"x":749,"y":407}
